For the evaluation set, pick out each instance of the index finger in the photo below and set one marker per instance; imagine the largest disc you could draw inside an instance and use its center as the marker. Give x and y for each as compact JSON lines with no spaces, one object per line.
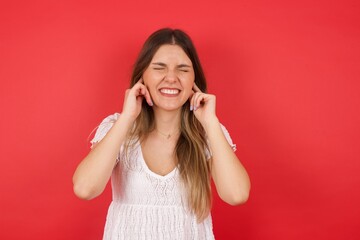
{"x":196,"y":88}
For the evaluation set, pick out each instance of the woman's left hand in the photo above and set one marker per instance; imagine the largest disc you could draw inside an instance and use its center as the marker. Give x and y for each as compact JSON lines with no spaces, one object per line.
{"x":204,"y":106}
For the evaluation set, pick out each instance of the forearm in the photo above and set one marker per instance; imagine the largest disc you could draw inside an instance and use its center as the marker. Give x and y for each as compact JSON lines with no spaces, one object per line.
{"x":231,"y":179}
{"x":94,"y":171}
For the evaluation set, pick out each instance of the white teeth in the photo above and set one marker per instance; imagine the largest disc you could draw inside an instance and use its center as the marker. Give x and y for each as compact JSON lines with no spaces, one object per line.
{"x":169,"y":91}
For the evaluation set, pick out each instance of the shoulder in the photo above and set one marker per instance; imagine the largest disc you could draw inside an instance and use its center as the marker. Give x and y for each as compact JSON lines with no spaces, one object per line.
{"x":111,"y":118}
{"x":228,"y":137}
{"x":226,"y":133}
{"x":104,"y":127}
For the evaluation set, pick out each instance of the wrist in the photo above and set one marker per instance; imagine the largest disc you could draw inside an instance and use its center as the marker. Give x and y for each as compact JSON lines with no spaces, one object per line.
{"x":211,"y":123}
{"x":125,"y":120}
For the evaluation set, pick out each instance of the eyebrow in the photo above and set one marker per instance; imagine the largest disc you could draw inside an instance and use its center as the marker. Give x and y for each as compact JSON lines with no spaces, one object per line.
{"x":164,"y":65}
{"x":183,"y":65}
{"x":159,"y":63}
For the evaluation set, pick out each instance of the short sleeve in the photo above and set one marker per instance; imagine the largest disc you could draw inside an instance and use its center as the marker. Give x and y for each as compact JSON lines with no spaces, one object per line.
{"x":228,"y":138}
{"x":104,"y":127}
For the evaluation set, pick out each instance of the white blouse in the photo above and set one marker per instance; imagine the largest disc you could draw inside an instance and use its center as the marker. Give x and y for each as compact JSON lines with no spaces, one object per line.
{"x":146,"y":205}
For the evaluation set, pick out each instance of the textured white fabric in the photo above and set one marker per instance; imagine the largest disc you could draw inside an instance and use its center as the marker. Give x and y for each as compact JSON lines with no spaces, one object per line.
{"x":146,"y":205}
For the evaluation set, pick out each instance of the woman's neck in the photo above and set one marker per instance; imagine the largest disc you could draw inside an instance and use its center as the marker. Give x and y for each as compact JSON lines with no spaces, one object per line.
{"x":167,"y":122}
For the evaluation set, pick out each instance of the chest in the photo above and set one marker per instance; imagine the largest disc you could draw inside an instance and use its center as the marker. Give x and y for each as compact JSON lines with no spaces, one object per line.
{"x":159,"y":156}
{"x":133,"y":182}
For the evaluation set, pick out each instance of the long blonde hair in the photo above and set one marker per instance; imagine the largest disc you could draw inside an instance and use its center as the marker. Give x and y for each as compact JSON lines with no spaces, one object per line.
{"x":191,"y":146}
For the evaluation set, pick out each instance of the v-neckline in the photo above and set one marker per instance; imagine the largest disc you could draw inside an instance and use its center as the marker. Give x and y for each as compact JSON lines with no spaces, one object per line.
{"x":148,"y":170}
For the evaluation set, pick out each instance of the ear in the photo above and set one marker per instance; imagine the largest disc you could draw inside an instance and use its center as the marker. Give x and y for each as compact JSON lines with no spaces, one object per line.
{"x":142,"y":80}
{"x":196,"y":88}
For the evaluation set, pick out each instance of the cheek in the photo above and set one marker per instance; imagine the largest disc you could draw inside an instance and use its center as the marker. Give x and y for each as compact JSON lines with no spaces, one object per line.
{"x":148,"y":79}
{"x":188,"y":87}
{"x":152,"y":77}
{"x":188,"y":82}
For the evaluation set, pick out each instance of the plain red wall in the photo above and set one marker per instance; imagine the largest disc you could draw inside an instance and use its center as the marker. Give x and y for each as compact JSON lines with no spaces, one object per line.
{"x":286,"y":75}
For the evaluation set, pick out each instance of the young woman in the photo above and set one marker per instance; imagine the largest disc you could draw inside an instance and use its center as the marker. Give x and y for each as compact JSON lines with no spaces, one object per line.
{"x":163,"y":149}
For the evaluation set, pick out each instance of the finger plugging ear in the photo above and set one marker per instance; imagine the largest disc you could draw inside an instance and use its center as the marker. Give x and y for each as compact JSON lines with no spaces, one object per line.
{"x":191,"y":100}
{"x":196,"y":100}
{"x":147,"y":96}
{"x":143,"y":92}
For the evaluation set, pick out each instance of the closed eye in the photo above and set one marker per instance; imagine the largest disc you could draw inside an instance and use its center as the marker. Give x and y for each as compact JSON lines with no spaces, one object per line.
{"x":184,"y":67}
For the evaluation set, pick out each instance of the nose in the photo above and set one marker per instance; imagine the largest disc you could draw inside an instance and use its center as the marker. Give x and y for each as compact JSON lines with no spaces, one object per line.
{"x":171,"y":76}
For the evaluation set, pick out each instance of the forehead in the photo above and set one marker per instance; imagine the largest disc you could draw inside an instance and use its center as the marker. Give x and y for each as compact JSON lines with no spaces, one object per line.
{"x":171,"y":53}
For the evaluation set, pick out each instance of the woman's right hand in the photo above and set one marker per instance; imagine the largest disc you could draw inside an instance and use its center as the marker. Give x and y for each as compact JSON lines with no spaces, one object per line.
{"x":133,"y":100}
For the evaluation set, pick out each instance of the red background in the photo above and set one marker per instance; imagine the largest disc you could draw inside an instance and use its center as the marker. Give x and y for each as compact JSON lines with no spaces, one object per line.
{"x":286,"y":75}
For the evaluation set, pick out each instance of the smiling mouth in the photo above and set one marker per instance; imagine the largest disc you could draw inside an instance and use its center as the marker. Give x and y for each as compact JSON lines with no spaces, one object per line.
{"x":169,"y":91}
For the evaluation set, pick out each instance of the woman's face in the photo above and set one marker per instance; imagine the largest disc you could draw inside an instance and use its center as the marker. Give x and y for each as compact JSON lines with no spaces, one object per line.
{"x":169,"y":77}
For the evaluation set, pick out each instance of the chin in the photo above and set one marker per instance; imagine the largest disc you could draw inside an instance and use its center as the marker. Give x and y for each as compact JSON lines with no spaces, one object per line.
{"x":170,"y":104}
{"x":169,"y":107}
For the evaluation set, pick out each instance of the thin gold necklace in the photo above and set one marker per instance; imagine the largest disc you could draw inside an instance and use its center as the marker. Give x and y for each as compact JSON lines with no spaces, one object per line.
{"x":168,"y":136}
